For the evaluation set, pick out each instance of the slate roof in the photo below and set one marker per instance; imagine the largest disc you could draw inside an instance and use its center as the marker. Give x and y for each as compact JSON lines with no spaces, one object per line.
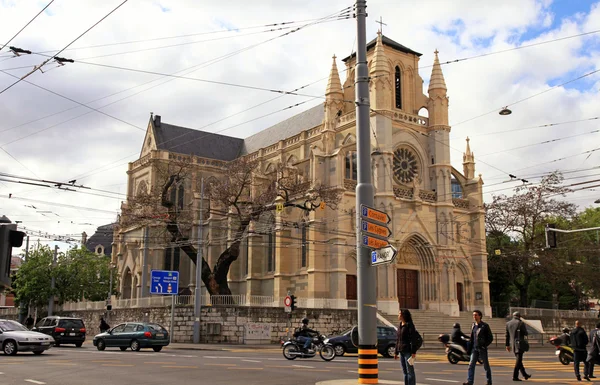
{"x":390,"y":43}
{"x":289,"y":127}
{"x":184,"y":140}
{"x":103,"y":236}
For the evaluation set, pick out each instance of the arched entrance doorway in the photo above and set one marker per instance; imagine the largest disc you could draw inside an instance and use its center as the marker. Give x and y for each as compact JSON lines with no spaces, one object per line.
{"x":127,"y":283}
{"x":414,"y":273}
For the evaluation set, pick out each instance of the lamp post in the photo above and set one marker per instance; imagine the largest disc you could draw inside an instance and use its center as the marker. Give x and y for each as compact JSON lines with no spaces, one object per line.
{"x":111,"y":267}
{"x":52,"y":282}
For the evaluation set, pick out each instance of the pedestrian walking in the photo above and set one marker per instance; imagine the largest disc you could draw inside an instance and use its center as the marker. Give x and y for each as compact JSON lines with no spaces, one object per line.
{"x":594,"y":350}
{"x":103,"y":325}
{"x":29,"y":322}
{"x":516,"y":331}
{"x":406,"y":346}
{"x":481,"y":338}
{"x":579,"y":341}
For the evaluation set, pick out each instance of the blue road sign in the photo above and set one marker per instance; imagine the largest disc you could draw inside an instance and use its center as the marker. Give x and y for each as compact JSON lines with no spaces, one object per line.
{"x":164,"y":282}
{"x":373,"y":256}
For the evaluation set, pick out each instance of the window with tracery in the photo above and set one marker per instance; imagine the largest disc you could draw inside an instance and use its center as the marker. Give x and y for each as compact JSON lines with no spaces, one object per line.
{"x":398,"y":87}
{"x":351,"y":167}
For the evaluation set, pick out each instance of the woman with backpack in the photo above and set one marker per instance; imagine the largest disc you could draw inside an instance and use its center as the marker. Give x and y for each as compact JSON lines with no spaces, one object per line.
{"x":407,"y":344}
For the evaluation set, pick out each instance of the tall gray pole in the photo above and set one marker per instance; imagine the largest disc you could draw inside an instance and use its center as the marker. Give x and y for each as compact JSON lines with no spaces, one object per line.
{"x":109,"y":299}
{"x":22,"y":305}
{"x":367,"y":301}
{"x":144,"y":292}
{"x":52,"y":282}
{"x":199,"y":256}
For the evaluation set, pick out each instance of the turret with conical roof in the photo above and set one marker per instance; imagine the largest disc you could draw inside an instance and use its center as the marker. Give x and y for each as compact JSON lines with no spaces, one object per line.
{"x":380,"y":77}
{"x":468,"y":162}
{"x":334,"y":105}
{"x":438,"y":99}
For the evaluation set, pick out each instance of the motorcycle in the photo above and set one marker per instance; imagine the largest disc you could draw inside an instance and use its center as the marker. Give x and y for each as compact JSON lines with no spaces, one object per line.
{"x":564,"y":352}
{"x":293,"y":349}
{"x":455,"y":352}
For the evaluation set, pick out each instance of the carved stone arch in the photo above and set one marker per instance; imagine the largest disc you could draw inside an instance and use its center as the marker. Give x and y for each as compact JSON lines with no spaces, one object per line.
{"x":142,"y":188}
{"x":269,"y":168}
{"x":420,"y":248}
{"x":466,"y":271}
{"x":127,"y":279}
{"x":291,"y":160}
{"x":349,"y":139}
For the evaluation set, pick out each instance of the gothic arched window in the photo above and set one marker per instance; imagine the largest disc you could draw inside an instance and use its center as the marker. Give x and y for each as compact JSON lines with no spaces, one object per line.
{"x":398,"y":87}
{"x":351,"y":172}
{"x":304,"y":243}
{"x":178,"y":195}
{"x":457,"y":191}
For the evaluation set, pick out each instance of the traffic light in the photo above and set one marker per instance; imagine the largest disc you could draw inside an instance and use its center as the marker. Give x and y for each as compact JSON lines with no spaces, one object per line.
{"x":9,"y":238}
{"x":293,"y":306}
{"x":550,"y":236}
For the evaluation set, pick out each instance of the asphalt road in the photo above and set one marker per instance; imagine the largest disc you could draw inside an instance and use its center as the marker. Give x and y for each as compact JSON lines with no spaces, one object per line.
{"x":87,"y":366}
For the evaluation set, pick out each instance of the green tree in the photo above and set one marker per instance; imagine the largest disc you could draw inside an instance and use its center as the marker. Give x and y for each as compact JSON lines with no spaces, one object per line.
{"x":79,"y":274}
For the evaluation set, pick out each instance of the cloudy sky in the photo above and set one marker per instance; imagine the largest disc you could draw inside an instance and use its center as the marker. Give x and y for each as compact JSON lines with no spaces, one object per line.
{"x":43,"y":135}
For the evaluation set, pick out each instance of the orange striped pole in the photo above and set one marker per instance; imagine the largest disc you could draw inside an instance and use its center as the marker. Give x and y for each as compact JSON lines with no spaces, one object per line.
{"x":368,"y":371}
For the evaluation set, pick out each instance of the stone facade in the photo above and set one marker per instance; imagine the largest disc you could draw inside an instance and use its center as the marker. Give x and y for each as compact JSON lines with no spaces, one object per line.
{"x":436,"y":210}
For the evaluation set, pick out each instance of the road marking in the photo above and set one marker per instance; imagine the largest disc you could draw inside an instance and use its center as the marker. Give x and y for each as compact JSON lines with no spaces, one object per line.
{"x":318,"y":370}
{"x":1,"y":373}
{"x":220,"y":364}
{"x":180,"y":367}
{"x":303,"y":366}
{"x":246,"y":368}
{"x":118,"y":365}
{"x":440,"y":380}
{"x":35,"y":382}
{"x":251,"y":361}
{"x":277,"y":366}
{"x":160,"y":362}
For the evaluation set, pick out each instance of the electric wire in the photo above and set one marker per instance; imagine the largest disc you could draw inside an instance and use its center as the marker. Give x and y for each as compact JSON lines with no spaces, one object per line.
{"x":29,"y":22}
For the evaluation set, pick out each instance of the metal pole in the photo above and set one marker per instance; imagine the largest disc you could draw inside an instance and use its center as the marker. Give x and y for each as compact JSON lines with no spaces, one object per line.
{"x":109,"y":299}
{"x":22,"y":305}
{"x":367,"y":302}
{"x":172,"y":316}
{"x":144,"y":290}
{"x":52,"y":282}
{"x":198,"y":290}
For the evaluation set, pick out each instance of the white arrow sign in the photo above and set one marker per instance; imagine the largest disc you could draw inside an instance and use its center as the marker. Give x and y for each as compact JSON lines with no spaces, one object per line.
{"x":383,"y":256}
{"x":159,"y":287}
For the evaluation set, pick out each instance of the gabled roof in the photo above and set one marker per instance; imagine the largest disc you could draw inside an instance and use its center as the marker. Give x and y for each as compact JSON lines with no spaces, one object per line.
{"x":184,"y":140}
{"x":104,"y":237}
{"x":390,"y":43}
{"x":283,"y":130}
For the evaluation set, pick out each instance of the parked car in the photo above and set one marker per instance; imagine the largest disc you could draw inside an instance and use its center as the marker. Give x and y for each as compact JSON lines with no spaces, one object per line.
{"x":386,"y":342}
{"x":15,"y":337}
{"x":64,"y":330}
{"x":134,"y":335}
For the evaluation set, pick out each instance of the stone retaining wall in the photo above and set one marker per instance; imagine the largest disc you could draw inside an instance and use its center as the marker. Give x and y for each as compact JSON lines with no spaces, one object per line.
{"x":225,"y":324}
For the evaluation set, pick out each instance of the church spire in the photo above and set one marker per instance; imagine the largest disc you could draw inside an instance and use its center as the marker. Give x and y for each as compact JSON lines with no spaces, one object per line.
{"x":469,"y":162}
{"x":379,"y":65}
{"x":437,"y":77}
{"x":334,"y":86}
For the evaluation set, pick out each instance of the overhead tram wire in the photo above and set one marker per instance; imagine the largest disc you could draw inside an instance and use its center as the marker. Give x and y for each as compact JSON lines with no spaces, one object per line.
{"x":188,"y":70}
{"x":74,"y":101}
{"x":515,"y":48}
{"x":67,"y":46}
{"x":530,"y":97}
{"x":30,"y":21}
{"x":284,"y":23}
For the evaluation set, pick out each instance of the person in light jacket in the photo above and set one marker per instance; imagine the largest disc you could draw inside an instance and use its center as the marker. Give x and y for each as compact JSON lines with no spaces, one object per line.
{"x":516,"y":331}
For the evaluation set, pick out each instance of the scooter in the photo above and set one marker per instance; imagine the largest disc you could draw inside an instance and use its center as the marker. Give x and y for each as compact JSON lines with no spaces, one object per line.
{"x":455,"y":352}
{"x":563,"y":352}
{"x":293,"y":349}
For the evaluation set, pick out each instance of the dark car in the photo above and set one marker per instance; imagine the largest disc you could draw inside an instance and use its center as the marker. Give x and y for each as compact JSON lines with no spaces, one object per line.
{"x":386,"y":342}
{"x":134,"y":335}
{"x":64,"y":330}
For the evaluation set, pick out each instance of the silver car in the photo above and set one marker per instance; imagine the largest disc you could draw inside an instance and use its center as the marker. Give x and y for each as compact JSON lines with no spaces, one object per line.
{"x":15,"y":337}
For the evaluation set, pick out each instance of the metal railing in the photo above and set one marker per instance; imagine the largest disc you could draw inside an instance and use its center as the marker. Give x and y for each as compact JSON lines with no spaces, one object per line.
{"x":537,"y":312}
{"x":215,"y":300}
{"x":9,"y":311}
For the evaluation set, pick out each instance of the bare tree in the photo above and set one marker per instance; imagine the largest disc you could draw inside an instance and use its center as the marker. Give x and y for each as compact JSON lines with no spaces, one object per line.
{"x":522,"y":218}
{"x":241,"y":190}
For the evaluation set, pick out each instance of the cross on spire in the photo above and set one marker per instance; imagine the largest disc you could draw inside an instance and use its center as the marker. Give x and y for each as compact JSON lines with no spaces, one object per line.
{"x":381,"y":24}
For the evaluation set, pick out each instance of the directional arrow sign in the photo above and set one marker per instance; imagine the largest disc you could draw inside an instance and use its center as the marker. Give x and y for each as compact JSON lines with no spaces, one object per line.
{"x":374,"y":215}
{"x":374,"y":243}
{"x":383,"y":256}
{"x":378,"y":230}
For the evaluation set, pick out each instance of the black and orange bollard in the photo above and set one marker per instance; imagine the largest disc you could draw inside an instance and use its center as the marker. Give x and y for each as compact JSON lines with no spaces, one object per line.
{"x":368,"y":371}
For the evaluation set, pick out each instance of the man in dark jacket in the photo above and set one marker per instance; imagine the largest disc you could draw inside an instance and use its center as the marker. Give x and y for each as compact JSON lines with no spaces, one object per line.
{"x":481,"y":338}
{"x":516,"y":331}
{"x":458,"y":337}
{"x":594,"y":349}
{"x":104,"y":326}
{"x":305,"y":334}
{"x":579,"y":341}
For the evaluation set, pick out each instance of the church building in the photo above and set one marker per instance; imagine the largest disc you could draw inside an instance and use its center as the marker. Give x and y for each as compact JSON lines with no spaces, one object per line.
{"x":437,"y":211}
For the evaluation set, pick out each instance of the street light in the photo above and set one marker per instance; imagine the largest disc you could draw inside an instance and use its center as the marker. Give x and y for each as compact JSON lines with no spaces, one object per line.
{"x":505,"y":111}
